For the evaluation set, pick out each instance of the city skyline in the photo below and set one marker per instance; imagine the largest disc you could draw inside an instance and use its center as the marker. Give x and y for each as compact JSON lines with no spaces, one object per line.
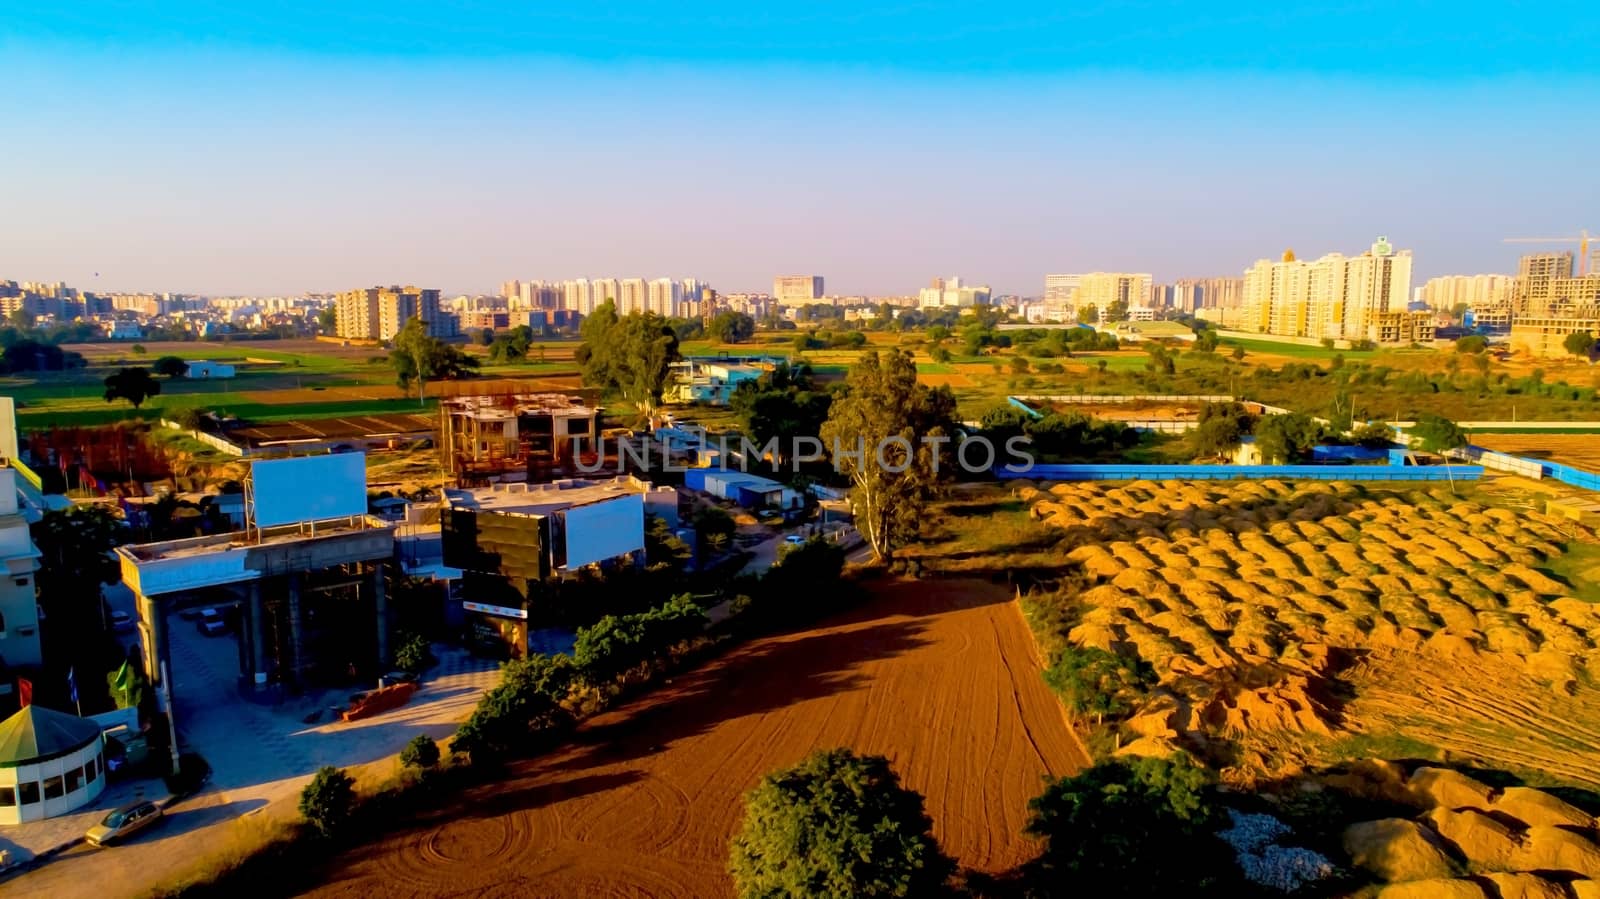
{"x":223,"y":155}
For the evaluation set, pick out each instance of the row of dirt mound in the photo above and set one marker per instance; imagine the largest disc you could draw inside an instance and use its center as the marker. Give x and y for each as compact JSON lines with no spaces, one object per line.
{"x":1248,"y":597}
{"x":1471,"y":840}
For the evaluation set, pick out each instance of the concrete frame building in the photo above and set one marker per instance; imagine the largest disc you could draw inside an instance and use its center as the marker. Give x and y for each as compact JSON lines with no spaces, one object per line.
{"x":1537,"y":274}
{"x":311,"y":596}
{"x":1545,"y":336}
{"x":493,"y":436}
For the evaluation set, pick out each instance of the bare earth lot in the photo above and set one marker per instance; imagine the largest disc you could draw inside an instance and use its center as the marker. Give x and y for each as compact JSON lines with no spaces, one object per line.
{"x":1582,"y":450}
{"x":941,"y":677}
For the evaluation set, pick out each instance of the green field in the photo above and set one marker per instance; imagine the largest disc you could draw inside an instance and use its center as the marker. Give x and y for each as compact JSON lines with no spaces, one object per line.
{"x":1294,"y":350}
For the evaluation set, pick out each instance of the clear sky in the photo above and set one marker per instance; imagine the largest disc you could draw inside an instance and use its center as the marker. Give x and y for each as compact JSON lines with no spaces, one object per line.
{"x":290,"y":146}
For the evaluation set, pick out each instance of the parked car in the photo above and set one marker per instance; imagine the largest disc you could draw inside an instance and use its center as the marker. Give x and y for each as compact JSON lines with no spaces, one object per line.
{"x":794,"y":538}
{"x":122,"y":622}
{"x":123,"y":823}
{"x":212,"y":623}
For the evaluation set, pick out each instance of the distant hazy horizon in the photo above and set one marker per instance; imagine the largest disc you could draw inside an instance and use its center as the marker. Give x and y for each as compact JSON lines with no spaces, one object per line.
{"x":296,"y":149}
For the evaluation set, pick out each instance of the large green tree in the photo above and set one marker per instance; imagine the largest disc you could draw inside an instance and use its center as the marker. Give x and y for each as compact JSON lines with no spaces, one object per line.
{"x":1287,"y":438}
{"x":132,"y":384}
{"x":629,"y":355}
{"x":1220,"y":429}
{"x":1579,"y":343}
{"x":782,"y":405}
{"x":526,"y":704}
{"x":731,"y":327}
{"x":836,"y":824}
{"x":889,"y":435}
{"x":1436,"y":434}
{"x":1140,"y":827}
{"x":419,"y":357}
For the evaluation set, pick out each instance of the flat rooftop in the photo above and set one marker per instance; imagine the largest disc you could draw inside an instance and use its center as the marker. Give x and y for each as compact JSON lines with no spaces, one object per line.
{"x":502,"y":407}
{"x":542,"y":499}
{"x":201,"y":546}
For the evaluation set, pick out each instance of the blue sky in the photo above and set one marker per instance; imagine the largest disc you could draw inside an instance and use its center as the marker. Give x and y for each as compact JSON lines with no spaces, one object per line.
{"x":173,"y":146}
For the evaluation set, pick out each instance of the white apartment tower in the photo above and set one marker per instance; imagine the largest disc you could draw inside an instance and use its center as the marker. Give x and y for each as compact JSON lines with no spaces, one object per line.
{"x":1335,"y":297}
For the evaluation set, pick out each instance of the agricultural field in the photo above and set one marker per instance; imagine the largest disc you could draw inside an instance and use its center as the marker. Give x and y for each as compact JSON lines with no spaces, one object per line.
{"x":1299,"y":625}
{"x":280,"y":380}
{"x":942,"y":678}
{"x":1581,"y":450}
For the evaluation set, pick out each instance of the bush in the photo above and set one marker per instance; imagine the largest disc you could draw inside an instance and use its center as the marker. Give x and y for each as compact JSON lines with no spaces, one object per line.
{"x":1144,"y":827}
{"x":525,"y":706}
{"x":328,"y":801}
{"x":414,"y":655}
{"x":837,"y":824}
{"x":619,"y":643}
{"x":1096,"y":682}
{"x":421,"y":753}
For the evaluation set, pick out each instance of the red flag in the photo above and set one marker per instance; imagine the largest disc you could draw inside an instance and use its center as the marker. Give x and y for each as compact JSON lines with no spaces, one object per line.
{"x":25,"y":690}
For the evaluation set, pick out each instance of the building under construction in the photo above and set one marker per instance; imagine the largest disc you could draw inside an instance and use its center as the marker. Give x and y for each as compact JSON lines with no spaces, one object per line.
{"x":515,"y":436}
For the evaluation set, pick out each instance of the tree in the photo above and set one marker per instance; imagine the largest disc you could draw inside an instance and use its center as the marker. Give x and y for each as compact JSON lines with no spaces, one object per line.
{"x":138,"y":349}
{"x":1142,"y":827}
{"x":939,"y":354}
{"x":170,"y":366}
{"x":328,"y":320}
{"x":631,"y":355}
{"x":1206,"y":340}
{"x":1019,"y":365}
{"x":713,"y":528}
{"x":1435,"y":434}
{"x":1373,"y":435}
{"x":1220,"y":429}
{"x":884,"y":432}
{"x":132,"y":384}
{"x":1116,"y":311}
{"x":418,"y":357}
{"x":511,"y":346}
{"x":1089,"y":315}
{"x":421,"y":753}
{"x":781,"y":405}
{"x":1287,"y":438}
{"x":731,"y":327}
{"x":1472,"y":344}
{"x":1579,"y":343}
{"x":328,"y":801}
{"x":836,"y":824}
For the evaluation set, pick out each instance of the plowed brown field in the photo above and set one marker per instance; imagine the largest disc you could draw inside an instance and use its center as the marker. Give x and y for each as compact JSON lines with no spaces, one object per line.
{"x":941,"y":677}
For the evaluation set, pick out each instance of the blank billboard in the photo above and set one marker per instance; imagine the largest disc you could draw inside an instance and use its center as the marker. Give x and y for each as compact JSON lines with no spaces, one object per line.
{"x":309,"y":488}
{"x":605,"y":530}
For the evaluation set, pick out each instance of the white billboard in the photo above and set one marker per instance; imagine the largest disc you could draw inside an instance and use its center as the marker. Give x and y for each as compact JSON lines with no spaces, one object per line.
{"x":605,"y":530}
{"x":309,"y":488}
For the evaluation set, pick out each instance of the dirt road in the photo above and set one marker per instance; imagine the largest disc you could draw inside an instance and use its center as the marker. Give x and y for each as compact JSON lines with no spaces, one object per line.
{"x":939,"y":676}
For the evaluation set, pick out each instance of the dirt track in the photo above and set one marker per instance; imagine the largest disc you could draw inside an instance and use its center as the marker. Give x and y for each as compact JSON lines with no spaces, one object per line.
{"x":941,"y":677}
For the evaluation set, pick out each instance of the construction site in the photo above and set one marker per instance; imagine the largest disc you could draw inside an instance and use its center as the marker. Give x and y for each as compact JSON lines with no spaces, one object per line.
{"x":491,"y":438}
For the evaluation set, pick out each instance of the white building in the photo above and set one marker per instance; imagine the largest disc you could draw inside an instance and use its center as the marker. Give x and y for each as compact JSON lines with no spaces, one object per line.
{"x":665,"y":296}
{"x":19,"y":559}
{"x":634,"y":296}
{"x":797,"y":290}
{"x":950,"y":293}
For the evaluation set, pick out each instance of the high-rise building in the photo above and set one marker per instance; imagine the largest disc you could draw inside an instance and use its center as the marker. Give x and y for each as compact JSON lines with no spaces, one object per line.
{"x":1101,"y":289}
{"x":664,"y":296}
{"x":1536,"y":277}
{"x":605,"y":290}
{"x":1474,"y":291}
{"x":511,"y":289}
{"x":1335,"y":297}
{"x":797,"y":290}
{"x":378,"y":313}
{"x":634,"y":296}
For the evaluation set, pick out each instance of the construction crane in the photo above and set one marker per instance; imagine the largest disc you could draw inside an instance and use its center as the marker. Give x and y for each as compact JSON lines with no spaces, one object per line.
{"x":1582,"y":240}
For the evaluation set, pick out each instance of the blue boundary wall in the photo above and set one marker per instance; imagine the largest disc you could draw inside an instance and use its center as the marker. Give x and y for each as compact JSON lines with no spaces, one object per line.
{"x":1566,"y":474}
{"x":1244,"y":473}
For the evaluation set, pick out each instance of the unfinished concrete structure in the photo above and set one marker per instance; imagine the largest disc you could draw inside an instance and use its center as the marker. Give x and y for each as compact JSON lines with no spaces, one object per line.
{"x":311,"y":597}
{"x":521,"y":435}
